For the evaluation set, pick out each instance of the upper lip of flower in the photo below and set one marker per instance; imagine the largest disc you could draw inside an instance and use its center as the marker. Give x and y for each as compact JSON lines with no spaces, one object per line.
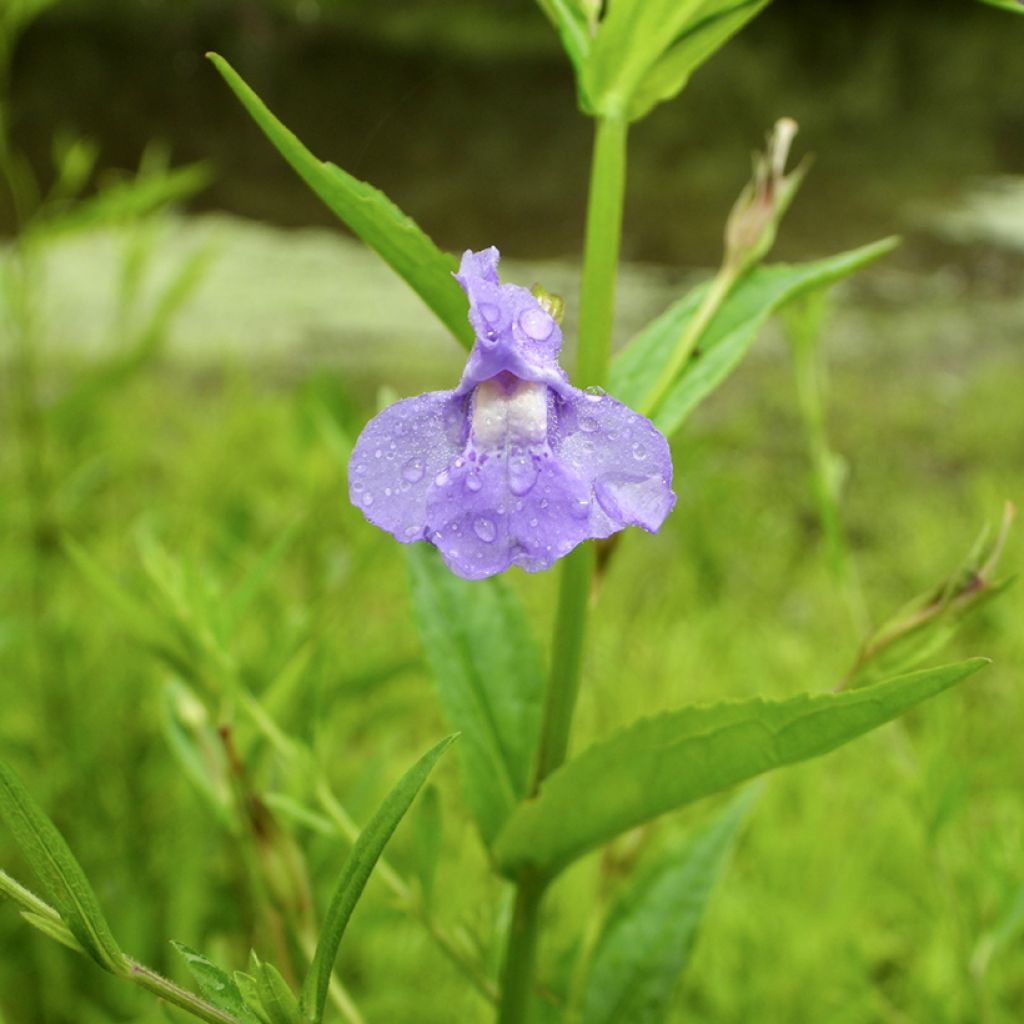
{"x":514,"y":466}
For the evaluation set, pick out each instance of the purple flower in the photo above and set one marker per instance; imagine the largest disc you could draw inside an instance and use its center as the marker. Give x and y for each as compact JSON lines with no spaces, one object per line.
{"x":515,"y":466}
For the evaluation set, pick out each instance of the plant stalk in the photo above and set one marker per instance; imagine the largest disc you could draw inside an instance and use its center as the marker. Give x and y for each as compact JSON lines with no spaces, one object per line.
{"x":597,"y":303}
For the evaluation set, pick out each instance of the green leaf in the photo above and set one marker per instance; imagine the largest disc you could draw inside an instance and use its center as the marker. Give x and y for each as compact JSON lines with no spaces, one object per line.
{"x":58,"y":871}
{"x":217,"y":986}
{"x":645,"y":50}
{"x":570,"y":21}
{"x":393,"y":235}
{"x":728,"y":336}
{"x":489,"y":679}
{"x":276,"y":997}
{"x":649,"y":935}
{"x":356,"y":874}
{"x":661,"y":763}
{"x":249,"y":989}
{"x":668,"y":76}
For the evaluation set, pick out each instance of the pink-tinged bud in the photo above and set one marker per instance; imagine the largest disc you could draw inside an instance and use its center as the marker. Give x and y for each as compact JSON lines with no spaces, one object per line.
{"x":754,"y":218}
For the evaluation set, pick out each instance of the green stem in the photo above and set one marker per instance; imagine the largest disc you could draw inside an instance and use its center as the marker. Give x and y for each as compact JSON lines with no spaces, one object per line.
{"x":148,"y":979}
{"x":597,"y":303}
{"x":566,"y":661}
{"x":689,"y":338}
{"x":517,"y":978}
{"x":601,"y":251}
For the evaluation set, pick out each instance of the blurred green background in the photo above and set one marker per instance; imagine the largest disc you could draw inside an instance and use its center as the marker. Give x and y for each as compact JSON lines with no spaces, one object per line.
{"x":178,"y":389}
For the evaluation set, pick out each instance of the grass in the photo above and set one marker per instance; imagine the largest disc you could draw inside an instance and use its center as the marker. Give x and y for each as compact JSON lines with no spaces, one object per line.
{"x":882,"y":883}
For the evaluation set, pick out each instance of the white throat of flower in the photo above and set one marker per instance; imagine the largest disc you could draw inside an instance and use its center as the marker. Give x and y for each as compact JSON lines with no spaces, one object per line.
{"x":516,"y":416}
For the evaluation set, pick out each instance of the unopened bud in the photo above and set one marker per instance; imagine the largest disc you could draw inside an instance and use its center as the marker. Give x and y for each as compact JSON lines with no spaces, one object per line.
{"x":754,"y":219}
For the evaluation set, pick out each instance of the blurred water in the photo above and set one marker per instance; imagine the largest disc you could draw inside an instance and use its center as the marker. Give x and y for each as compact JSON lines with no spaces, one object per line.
{"x":467,"y":116}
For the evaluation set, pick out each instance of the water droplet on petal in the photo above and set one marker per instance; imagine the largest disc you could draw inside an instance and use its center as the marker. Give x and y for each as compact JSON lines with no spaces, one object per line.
{"x":522,"y":474}
{"x":473,"y":483}
{"x":378,"y":453}
{"x":411,"y":531}
{"x":587,"y":425}
{"x":537,"y":324}
{"x":367,"y":498}
{"x":485,"y":529}
{"x":490,"y":312}
{"x":442,"y":478}
{"x":639,"y":452}
{"x":533,"y":522}
{"x":413,"y":470}
{"x":580,"y":508}
{"x":594,"y":393}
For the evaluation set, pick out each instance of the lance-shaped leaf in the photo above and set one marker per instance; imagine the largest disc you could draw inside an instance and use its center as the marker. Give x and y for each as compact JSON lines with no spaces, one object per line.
{"x":217,"y":986}
{"x":572,"y":20}
{"x":728,"y":336}
{"x":650,"y":931}
{"x":58,"y":871}
{"x":393,"y":235}
{"x":356,"y":873}
{"x":489,"y":678}
{"x":661,"y":763}
{"x":645,"y":50}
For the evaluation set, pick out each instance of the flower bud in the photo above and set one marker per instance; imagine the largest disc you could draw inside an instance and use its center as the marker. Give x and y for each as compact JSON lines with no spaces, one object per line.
{"x":754,"y":218}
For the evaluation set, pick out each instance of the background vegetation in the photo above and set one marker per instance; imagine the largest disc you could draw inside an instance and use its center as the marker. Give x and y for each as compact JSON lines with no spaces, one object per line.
{"x":177,"y":389}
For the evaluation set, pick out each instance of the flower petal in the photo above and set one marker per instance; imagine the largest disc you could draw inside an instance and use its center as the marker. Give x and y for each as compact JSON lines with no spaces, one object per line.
{"x":517,"y":506}
{"x":398,"y":455}
{"x":514,"y":334}
{"x":621,"y":454}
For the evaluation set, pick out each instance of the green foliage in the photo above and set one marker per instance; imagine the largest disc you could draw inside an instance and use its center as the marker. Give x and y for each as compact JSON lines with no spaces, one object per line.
{"x":356,"y":873}
{"x":489,"y":679}
{"x":216,"y":985}
{"x":661,"y":763}
{"x":369,"y":213}
{"x":276,"y":998}
{"x":59,"y":872}
{"x":925,"y":624}
{"x":727,"y":337}
{"x":649,"y":934}
{"x":641,"y":52}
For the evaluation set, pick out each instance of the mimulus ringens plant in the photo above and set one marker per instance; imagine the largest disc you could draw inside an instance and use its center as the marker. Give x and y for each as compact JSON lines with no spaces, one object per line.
{"x":515,"y":466}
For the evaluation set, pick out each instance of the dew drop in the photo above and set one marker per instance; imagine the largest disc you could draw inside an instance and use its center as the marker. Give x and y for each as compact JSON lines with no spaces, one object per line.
{"x":473,"y":483}
{"x":367,"y":498}
{"x":537,"y":324}
{"x":587,"y":425}
{"x":485,"y":529}
{"x":522,"y":475}
{"x":580,"y":508}
{"x":595,"y":394}
{"x":413,"y":470}
{"x":357,"y":486}
{"x":378,"y":453}
{"x":639,"y":452}
{"x":411,"y":531}
{"x":533,"y":522}
{"x":442,"y":478}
